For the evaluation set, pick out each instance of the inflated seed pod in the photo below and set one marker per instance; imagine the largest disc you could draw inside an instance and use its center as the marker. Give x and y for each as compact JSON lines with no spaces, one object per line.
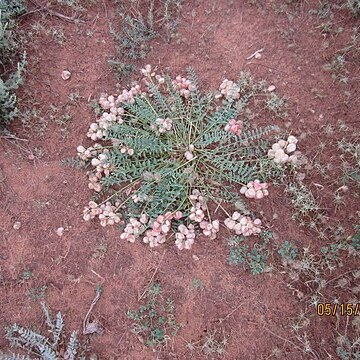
{"x":291,"y":147}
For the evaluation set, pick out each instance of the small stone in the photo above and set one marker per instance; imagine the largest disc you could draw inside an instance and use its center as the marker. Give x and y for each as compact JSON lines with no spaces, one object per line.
{"x":17,"y":225}
{"x":257,"y":56}
{"x":271,"y":88}
{"x":60,"y":231}
{"x":65,"y":75}
{"x":196,"y":258}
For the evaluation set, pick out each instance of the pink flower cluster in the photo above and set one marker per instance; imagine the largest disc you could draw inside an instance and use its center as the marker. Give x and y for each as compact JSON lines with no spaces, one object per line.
{"x":113,"y":102}
{"x":255,"y":189}
{"x":230,"y":90}
{"x":185,"y":237}
{"x":243,"y":225}
{"x":210,"y":229}
{"x":149,"y":176}
{"x":105,"y":212}
{"x":234,"y":127}
{"x":141,"y":198}
{"x":86,"y":154}
{"x":162,"y":125}
{"x":102,"y":163}
{"x":149,"y":73}
{"x":197,"y":213}
{"x":127,"y":96}
{"x":134,"y":228}
{"x":94,"y":181}
{"x":189,"y":155}
{"x":283,"y":151}
{"x":97,"y":130}
{"x":102,"y":166}
{"x":123,"y":149}
{"x":184,"y":86}
{"x":160,"y":228}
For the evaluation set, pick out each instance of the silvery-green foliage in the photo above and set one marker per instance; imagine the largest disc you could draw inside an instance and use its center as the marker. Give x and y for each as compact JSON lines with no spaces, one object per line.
{"x":221,"y":159}
{"x":43,"y":347}
{"x":8,"y":48}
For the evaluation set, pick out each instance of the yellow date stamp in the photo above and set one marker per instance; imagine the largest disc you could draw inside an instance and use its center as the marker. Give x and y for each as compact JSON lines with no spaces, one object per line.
{"x":328,"y":309}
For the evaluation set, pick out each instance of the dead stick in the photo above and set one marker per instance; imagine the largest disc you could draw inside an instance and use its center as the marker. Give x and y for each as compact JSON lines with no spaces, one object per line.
{"x":52,"y":13}
{"x":230,"y":313}
{"x":152,"y":277}
{"x":86,"y":319}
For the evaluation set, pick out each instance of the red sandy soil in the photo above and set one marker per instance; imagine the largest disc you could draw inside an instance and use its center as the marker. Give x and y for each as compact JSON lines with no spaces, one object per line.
{"x":215,"y":37}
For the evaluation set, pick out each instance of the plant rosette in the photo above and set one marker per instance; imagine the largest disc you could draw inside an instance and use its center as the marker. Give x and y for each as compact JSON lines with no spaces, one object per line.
{"x":163,"y":151}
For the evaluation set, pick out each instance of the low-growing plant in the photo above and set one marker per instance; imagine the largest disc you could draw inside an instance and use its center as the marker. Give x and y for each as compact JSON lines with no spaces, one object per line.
{"x":121,"y":69}
{"x":197,"y":284}
{"x":168,"y":151}
{"x":254,"y":257}
{"x":9,"y":81}
{"x":215,"y":344}
{"x":305,"y":205}
{"x":348,"y":348}
{"x":154,"y":322}
{"x":10,"y":9}
{"x":355,"y":240}
{"x":288,"y":252}
{"x":55,"y":348}
{"x":144,"y":22}
{"x":37,"y":293}
{"x":339,"y":62}
{"x":350,"y":160}
{"x":353,"y":6}
{"x":8,"y":104}
{"x":135,"y":32}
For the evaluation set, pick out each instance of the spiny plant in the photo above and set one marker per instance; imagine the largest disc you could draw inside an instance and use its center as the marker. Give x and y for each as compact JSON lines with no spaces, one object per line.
{"x":54,"y":348}
{"x":215,"y":344}
{"x":353,"y":6}
{"x":154,"y":322}
{"x":304,"y":202}
{"x":142,"y":22}
{"x":350,"y":160}
{"x":168,"y":150}
{"x":135,"y":31}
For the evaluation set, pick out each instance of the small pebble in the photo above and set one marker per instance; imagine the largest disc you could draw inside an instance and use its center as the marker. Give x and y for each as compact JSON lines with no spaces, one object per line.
{"x":196,"y":258}
{"x":65,"y":75}
{"x":17,"y":225}
{"x":257,"y":56}
{"x":60,"y":231}
{"x":271,"y":88}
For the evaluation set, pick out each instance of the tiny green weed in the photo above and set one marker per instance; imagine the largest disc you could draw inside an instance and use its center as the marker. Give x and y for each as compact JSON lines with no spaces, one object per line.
{"x":288,"y":252}
{"x":254,"y":258}
{"x":37,"y":293}
{"x":197,"y":284}
{"x":154,"y":322}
